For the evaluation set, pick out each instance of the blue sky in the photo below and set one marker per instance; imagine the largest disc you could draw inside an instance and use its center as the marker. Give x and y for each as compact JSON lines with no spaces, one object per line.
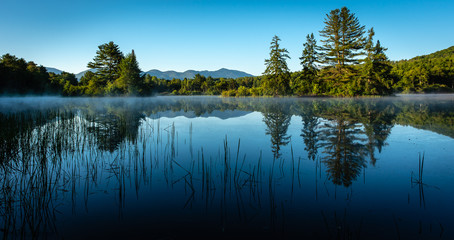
{"x":207,"y":35}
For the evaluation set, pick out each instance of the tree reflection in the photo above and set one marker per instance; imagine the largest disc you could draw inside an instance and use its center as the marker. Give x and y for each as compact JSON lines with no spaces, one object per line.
{"x":114,"y":126}
{"x":309,"y":133}
{"x":16,"y":130}
{"x":377,"y":127}
{"x":344,"y":150}
{"x":277,"y":120}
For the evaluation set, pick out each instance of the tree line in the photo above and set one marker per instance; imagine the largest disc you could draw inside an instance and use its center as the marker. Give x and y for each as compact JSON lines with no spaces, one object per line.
{"x":347,"y":61}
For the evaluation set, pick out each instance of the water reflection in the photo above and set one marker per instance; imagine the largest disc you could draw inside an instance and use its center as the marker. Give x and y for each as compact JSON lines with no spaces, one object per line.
{"x":277,"y":119}
{"x":130,"y":162}
{"x":344,"y":149}
{"x":377,"y":127}
{"x":309,"y":132}
{"x":114,"y":126}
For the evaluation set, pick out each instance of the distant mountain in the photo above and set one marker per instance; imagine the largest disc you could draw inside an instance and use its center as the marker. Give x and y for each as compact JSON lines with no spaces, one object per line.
{"x":58,"y":71}
{"x":53,"y":70}
{"x":169,"y":75}
{"x":79,"y":75}
{"x":221,"y":73}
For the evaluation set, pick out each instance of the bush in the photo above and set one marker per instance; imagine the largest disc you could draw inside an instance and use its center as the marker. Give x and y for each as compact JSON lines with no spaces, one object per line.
{"x":255,"y":91}
{"x":242,"y":92}
{"x":229,"y":93}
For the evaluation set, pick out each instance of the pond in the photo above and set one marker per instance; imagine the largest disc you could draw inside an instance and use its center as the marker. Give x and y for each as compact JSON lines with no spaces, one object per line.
{"x":210,"y":167}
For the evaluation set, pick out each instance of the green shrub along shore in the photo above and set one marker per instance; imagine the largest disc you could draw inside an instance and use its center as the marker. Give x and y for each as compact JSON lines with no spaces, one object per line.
{"x":346,"y":61}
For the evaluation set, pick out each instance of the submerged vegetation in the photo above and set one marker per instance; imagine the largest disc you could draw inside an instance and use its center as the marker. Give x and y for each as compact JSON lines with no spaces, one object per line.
{"x":345,"y":63}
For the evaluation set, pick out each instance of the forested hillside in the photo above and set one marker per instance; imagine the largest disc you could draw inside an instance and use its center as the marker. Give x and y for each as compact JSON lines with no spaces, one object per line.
{"x":432,"y":72}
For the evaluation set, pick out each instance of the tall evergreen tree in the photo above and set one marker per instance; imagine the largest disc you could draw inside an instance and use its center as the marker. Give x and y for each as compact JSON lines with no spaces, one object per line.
{"x":343,"y":38}
{"x":277,"y":74}
{"x":376,"y":68}
{"x":130,"y":81}
{"x":309,"y":56}
{"x":304,"y":82}
{"x":106,"y":61}
{"x":369,"y":44}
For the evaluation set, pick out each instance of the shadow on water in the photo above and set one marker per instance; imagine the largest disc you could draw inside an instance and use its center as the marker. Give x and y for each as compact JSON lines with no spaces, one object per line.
{"x":123,"y":168}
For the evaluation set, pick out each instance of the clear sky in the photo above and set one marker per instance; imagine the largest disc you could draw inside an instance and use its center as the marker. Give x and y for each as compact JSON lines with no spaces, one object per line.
{"x":207,"y":35}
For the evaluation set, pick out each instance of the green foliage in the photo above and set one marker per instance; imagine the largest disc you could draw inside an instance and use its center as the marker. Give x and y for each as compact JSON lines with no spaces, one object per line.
{"x":130,"y":81}
{"x":95,"y":87}
{"x":20,"y":77}
{"x":310,"y":57}
{"x":106,"y":62}
{"x":61,"y":83}
{"x":376,"y":77}
{"x":277,"y":64}
{"x":86,"y":78}
{"x":342,"y":43}
{"x":433,"y":72}
{"x":302,"y":83}
{"x":342,"y":38}
{"x":229,"y":93}
{"x":242,"y":92}
{"x":277,"y":75}
{"x":445,"y":53}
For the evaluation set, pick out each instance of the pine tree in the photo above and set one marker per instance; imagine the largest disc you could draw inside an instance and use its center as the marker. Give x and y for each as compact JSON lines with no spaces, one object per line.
{"x":130,"y":81}
{"x":310,"y":55}
{"x":304,"y":82}
{"x":369,"y":46}
{"x":343,"y":38}
{"x":106,"y":61}
{"x":376,"y":68}
{"x":277,"y":74}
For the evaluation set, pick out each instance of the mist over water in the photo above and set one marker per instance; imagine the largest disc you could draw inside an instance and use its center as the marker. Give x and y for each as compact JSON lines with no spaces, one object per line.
{"x":209,"y":167}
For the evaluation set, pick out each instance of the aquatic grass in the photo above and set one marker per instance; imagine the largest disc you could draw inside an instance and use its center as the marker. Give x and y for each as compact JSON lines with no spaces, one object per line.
{"x":419,"y":180}
{"x":34,"y":178}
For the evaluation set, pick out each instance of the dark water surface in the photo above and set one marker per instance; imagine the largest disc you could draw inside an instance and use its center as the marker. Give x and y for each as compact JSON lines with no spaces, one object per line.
{"x":208,"y":167}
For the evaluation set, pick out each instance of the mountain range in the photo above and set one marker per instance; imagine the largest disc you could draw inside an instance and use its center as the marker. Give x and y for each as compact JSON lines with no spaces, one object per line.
{"x":169,"y":75}
{"x":221,"y":73}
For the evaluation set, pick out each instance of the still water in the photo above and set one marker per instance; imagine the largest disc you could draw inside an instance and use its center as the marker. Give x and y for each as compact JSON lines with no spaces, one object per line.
{"x":209,"y":167}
